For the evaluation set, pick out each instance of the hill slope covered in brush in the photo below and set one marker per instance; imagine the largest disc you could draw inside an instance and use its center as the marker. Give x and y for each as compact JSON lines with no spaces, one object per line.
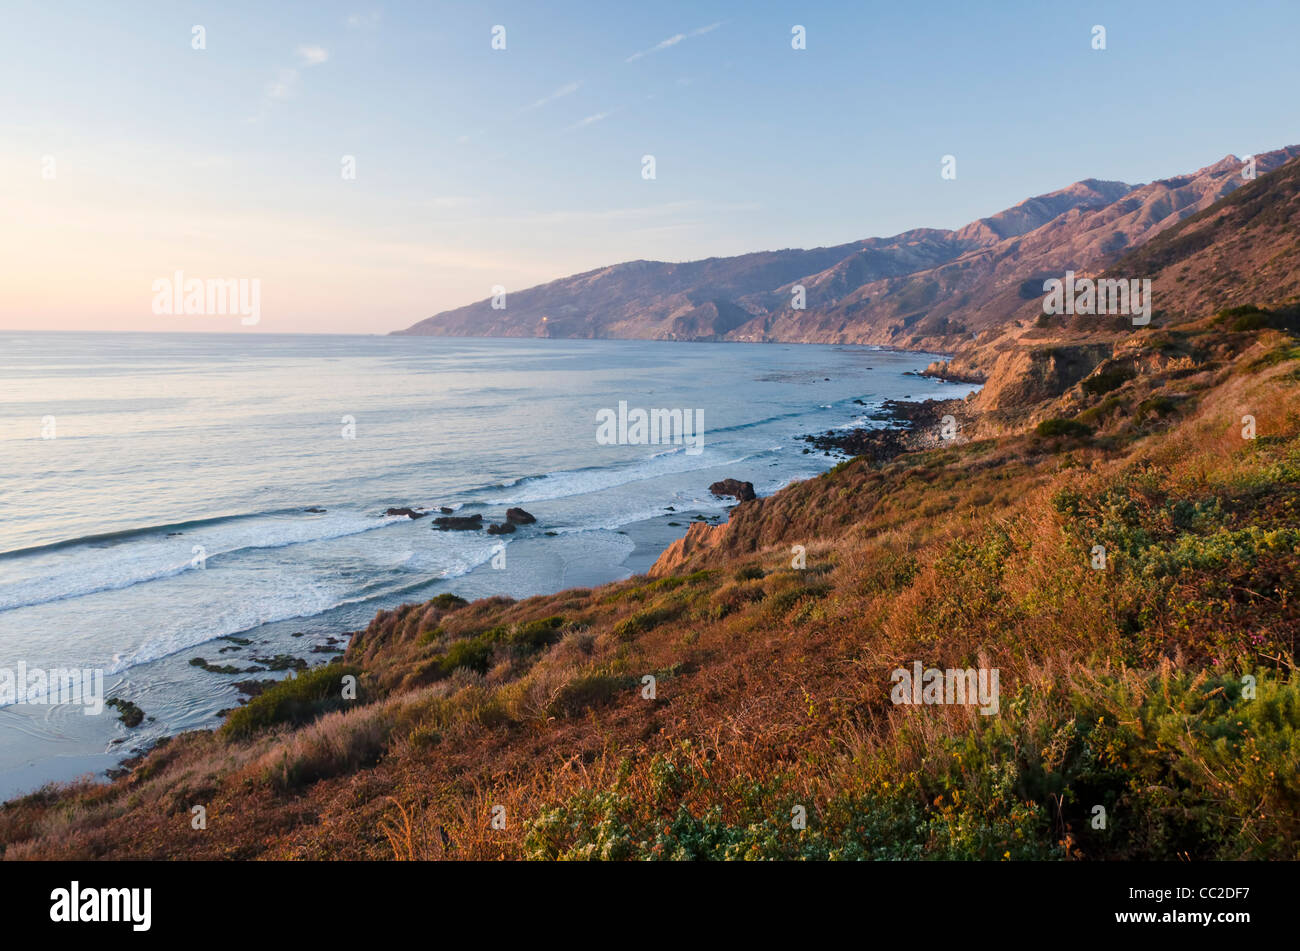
{"x":1158,"y":686}
{"x":927,"y":288}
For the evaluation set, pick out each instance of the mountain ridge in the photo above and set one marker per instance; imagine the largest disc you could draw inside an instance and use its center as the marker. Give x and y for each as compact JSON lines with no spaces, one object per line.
{"x":922,"y":288}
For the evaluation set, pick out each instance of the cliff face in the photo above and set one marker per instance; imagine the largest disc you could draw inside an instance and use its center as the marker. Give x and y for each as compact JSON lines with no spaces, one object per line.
{"x":925,"y":288}
{"x":1031,"y":375}
{"x":698,"y":538}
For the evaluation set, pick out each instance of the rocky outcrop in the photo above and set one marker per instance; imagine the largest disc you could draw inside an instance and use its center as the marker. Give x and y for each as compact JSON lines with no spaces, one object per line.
{"x":1028,"y":375}
{"x":699,"y":537}
{"x":740,"y":491}
{"x":458,"y":523}
{"x":409,"y":513}
{"x":504,"y":528}
{"x":519,"y":517}
{"x":954,"y":371}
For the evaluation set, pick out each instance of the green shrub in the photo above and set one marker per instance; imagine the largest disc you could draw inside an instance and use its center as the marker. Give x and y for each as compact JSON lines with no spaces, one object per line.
{"x":474,"y":653}
{"x":1096,"y":414}
{"x":1275,"y":356}
{"x":1243,"y":318}
{"x":588,"y":691}
{"x":1231,"y":313}
{"x":539,"y":633}
{"x":296,"y":700}
{"x":643,"y":621}
{"x":1107,"y":380}
{"x":1156,"y":405}
{"x":890,"y":821}
{"x":1188,"y":766}
{"x":889,"y":571}
{"x":1183,"y":765}
{"x":1049,"y":428}
{"x":783,"y":601}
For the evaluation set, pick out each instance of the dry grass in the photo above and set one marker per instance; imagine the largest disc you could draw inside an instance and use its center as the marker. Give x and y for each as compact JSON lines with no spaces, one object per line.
{"x":773,"y":682}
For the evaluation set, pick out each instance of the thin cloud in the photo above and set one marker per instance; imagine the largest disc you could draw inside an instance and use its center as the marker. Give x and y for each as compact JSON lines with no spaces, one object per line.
{"x":592,"y":119}
{"x":313,"y":55}
{"x":363,"y":21}
{"x":284,"y":85}
{"x":673,"y":41}
{"x":568,"y":89}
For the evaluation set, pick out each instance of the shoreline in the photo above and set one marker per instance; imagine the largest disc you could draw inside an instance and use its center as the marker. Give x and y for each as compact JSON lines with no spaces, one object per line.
{"x":179,"y":695}
{"x":909,"y":426}
{"x":194,"y":687}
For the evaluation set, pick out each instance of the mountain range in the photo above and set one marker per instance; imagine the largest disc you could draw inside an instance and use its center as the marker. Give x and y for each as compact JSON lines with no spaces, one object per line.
{"x":926,"y":288}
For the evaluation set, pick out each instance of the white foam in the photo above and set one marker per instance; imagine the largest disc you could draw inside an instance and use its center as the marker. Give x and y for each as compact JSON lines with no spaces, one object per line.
{"x":78,"y":570}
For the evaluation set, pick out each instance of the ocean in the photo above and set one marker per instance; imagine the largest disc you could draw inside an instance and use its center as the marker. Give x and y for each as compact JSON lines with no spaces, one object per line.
{"x":163,"y":493}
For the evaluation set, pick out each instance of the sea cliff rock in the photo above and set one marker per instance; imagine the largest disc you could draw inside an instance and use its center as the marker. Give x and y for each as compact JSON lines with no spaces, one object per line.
{"x":409,"y":513}
{"x":699,"y":537}
{"x":458,"y":523}
{"x":1028,"y":376}
{"x":740,"y":491}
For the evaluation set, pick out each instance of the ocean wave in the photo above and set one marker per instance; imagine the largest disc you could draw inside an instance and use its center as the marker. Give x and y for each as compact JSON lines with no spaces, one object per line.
{"x":300,"y":602}
{"x":78,"y":567}
{"x":590,"y":479}
{"x":128,"y":533}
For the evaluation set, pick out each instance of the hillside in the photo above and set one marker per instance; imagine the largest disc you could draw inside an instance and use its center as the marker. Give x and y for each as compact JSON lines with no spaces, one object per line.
{"x":1159,"y":686}
{"x":926,"y":288}
{"x":1227,"y":257}
{"x":1233,"y":254}
{"x":1120,"y":688}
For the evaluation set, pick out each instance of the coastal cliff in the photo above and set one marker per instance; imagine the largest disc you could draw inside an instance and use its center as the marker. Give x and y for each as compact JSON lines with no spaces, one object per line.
{"x":1110,"y":525}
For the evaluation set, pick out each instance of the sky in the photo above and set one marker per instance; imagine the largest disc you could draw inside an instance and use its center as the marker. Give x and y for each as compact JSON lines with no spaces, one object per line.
{"x":128,"y":153}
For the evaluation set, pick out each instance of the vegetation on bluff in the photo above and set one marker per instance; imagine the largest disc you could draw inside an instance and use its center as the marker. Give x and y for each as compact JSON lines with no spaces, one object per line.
{"x":1157,"y":691}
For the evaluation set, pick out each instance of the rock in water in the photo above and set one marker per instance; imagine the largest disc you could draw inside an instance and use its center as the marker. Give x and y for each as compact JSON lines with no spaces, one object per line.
{"x":409,"y":513}
{"x":458,"y":523}
{"x":519,"y":517}
{"x":503,"y":529}
{"x":740,"y":491}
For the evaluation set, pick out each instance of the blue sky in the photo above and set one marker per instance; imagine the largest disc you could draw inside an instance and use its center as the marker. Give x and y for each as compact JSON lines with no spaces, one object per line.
{"x":477,"y":167}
